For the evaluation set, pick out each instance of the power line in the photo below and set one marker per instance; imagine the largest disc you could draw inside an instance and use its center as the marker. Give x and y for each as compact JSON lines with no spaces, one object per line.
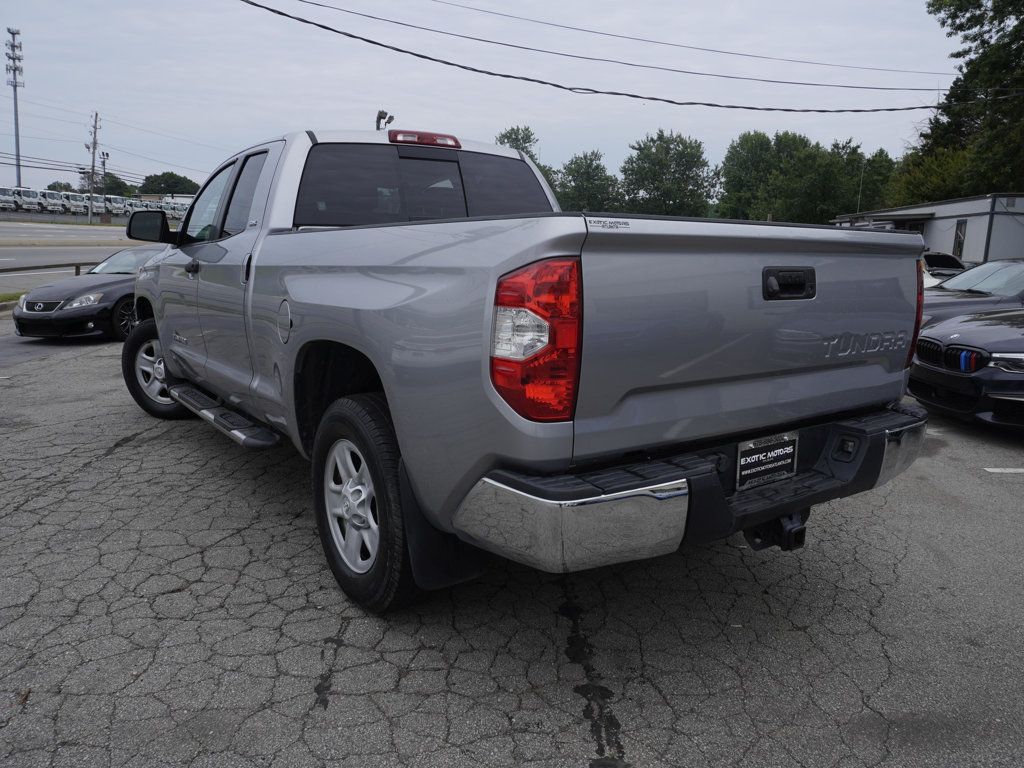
{"x":133,"y":154}
{"x":8,"y":159}
{"x":599,"y":92}
{"x":44,"y":138}
{"x":153,"y":159}
{"x":167,"y":135}
{"x":690,"y":47}
{"x":55,"y":119}
{"x":619,"y":62}
{"x":74,"y":167}
{"x":126,"y":125}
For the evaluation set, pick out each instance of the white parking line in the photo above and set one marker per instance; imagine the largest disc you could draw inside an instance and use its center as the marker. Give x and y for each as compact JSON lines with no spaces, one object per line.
{"x":1006,"y":470}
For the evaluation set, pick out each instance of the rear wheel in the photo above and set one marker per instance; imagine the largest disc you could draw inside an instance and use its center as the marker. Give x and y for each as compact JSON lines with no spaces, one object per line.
{"x":142,"y":366}
{"x":358,"y":503}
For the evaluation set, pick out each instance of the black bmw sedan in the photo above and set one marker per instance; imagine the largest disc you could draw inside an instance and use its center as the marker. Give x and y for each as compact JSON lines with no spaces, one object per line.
{"x":986,"y":287}
{"x":973,"y":366}
{"x":100,"y":301}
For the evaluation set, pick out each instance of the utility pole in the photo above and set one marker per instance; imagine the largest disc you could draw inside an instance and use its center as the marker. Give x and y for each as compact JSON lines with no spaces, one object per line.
{"x":91,"y":146}
{"x":14,"y":69}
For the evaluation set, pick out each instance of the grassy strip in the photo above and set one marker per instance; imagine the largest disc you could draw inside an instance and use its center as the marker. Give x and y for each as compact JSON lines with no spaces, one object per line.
{"x":10,"y":296}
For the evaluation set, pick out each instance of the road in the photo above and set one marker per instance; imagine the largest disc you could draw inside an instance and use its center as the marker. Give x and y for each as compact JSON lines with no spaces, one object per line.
{"x":31,"y":257}
{"x":164,"y":601}
{"x":13,"y":232}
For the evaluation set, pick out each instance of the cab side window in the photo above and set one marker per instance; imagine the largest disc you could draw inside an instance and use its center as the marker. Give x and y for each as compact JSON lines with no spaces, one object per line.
{"x":241,"y":199}
{"x":202,"y":221}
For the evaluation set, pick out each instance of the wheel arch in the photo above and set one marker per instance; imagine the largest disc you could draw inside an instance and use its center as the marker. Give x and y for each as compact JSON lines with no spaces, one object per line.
{"x":143,"y":309}
{"x":325,"y":371}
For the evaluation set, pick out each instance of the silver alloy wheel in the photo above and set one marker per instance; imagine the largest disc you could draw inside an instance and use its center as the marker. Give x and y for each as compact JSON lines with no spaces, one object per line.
{"x":125,"y":318}
{"x":351,"y":506}
{"x":149,"y":370}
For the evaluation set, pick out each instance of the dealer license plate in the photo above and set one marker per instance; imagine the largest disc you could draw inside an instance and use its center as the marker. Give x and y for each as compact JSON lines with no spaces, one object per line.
{"x":765,"y":460}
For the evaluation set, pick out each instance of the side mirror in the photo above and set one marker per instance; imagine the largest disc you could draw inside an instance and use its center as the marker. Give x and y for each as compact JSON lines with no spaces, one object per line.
{"x":150,"y":226}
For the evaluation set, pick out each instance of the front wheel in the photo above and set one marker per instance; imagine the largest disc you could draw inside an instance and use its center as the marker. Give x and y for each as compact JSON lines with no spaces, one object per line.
{"x":142,"y":366}
{"x":122,"y":318}
{"x":358,"y":504}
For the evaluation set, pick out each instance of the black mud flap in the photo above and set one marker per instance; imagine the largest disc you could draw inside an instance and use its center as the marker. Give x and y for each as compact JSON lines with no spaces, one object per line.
{"x":438,"y":559}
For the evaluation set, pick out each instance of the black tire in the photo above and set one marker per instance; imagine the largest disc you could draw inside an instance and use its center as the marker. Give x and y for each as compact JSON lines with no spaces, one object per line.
{"x":363,"y":420}
{"x":144,"y":339}
{"x":122,"y":318}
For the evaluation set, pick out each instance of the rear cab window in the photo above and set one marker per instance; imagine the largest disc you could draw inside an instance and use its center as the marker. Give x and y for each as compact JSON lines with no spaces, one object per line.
{"x":347,"y":185}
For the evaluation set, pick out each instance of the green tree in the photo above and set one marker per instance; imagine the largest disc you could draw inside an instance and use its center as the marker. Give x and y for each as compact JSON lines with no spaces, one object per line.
{"x":522,"y":138}
{"x":921,"y":176}
{"x":980,"y":126}
{"x":667,"y":174}
{"x":60,"y":186}
{"x":112,"y":184}
{"x":584,"y":184}
{"x":747,"y":166}
{"x":873,"y":191}
{"x":790,"y":178}
{"x":168,"y":183}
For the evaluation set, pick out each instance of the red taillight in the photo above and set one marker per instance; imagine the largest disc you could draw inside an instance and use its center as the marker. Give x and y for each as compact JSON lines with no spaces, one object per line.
{"x":535,"y":341}
{"x":920,"y":312}
{"x":424,"y":137}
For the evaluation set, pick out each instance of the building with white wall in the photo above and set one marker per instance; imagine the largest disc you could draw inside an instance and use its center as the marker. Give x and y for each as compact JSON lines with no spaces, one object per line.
{"x":974,"y":229}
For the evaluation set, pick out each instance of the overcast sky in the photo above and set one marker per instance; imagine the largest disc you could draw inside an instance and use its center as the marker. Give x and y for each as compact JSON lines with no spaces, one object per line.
{"x":225,"y":75}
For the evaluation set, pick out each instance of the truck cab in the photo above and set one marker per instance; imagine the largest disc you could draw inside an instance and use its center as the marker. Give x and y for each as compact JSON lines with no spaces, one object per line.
{"x":52,"y":201}
{"x":7,"y":199}
{"x":28,"y":199}
{"x":114,"y":204}
{"x":74,"y":202}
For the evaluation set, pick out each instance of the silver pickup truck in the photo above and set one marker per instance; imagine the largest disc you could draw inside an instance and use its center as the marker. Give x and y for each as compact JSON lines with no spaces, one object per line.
{"x":468,"y":368}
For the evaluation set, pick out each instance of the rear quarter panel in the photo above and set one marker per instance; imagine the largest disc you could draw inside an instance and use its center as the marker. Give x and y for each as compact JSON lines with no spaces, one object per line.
{"x":416,"y":299}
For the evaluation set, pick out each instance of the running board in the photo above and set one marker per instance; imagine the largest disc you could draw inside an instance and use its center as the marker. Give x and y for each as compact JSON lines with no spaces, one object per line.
{"x":239,"y":428}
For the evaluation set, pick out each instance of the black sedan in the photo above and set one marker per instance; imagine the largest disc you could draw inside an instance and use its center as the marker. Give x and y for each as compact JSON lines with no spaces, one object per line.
{"x":100,"y":301}
{"x":989,"y":286}
{"x":973,"y":366}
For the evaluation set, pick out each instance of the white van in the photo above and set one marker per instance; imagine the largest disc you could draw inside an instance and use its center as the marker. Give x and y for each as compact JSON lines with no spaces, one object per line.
{"x":27,"y":199}
{"x":74,"y":202}
{"x":7,"y":201}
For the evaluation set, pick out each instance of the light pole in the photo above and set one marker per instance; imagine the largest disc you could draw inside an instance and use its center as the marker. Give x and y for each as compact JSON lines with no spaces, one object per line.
{"x":103,"y":172}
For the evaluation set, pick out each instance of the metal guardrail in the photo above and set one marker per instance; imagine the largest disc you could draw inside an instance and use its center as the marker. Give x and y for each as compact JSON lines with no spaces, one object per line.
{"x":36,"y":268}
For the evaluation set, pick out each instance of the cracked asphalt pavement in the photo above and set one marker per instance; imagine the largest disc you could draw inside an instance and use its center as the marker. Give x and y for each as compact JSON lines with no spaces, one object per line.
{"x":164,"y":602}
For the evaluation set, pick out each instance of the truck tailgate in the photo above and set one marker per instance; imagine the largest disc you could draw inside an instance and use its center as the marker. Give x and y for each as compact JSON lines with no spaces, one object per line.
{"x":681,"y":341}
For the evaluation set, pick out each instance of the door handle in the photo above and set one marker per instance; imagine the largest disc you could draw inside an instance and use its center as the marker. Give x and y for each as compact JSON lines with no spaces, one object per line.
{"x":246,"y":265}
{"x":192,"y":267}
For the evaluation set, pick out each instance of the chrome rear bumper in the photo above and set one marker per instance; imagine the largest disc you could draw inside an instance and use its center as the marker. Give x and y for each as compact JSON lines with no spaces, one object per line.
{"x":573,"y":522}
{"x":571,"y":535}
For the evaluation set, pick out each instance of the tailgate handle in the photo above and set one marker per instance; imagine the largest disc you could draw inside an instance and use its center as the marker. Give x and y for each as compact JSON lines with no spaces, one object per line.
{"x":787,"y":283}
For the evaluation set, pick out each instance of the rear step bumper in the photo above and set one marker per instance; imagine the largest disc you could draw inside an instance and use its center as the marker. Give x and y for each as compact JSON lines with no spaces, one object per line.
{"x":573,"y":522}
{"x":239,"y":428}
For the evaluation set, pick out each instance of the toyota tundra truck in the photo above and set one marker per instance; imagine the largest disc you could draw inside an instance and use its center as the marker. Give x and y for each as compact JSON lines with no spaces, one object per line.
{"x":470,"y":369}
